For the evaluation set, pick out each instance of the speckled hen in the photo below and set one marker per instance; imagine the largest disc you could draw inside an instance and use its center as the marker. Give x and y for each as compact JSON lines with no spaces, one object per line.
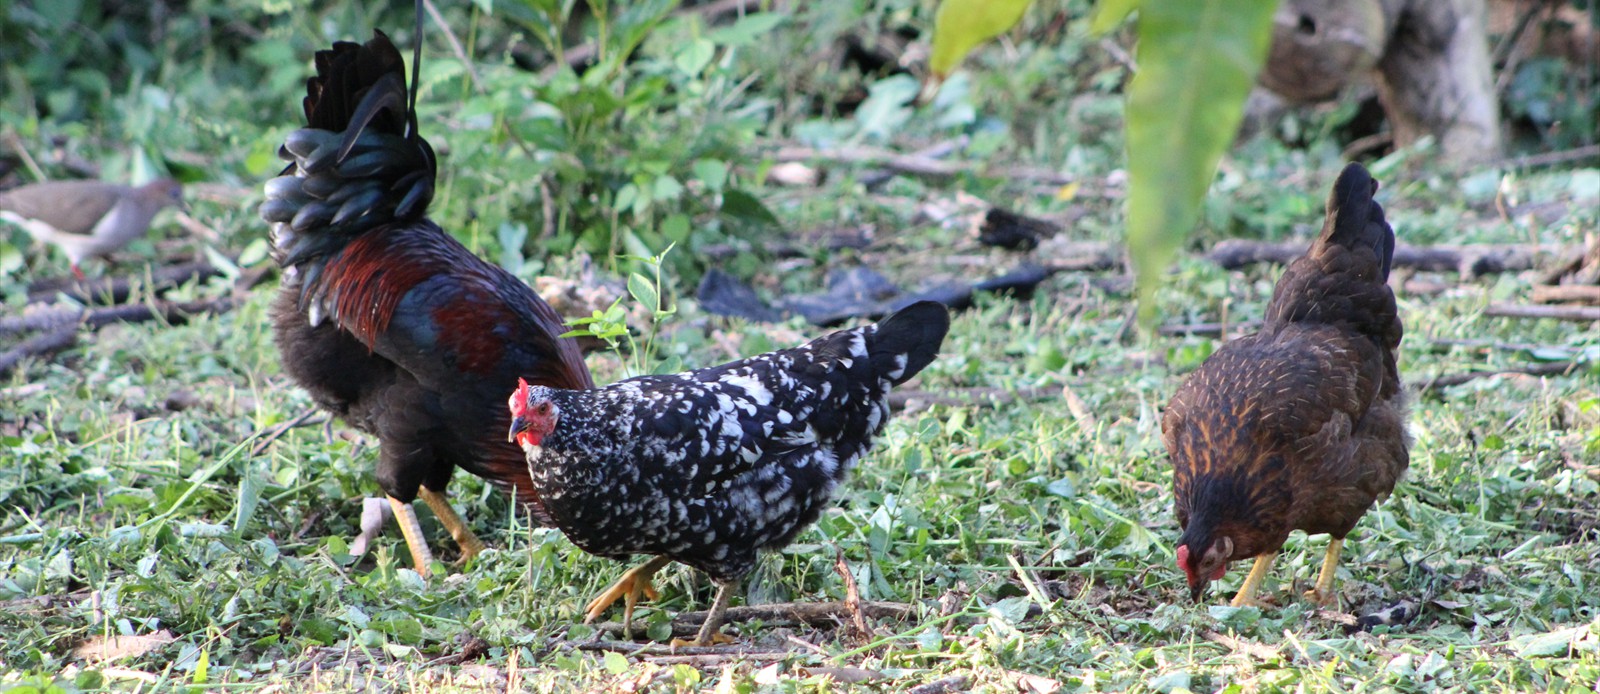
{"x":1302,"y":425}
{"x":707,"y":467}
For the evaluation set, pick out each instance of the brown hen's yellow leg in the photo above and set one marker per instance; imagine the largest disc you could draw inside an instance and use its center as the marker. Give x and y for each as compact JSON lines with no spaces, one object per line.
{"x":1323,"y":594}
{"x":633,"y":583}
{"x":469,"y":543}
{"x":406,"y":516}
{"x":709,"y":634}
{"x":1252,"y":582}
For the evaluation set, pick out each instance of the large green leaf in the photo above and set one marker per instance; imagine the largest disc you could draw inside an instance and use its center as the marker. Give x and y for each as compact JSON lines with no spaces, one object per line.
{"x":1197,"y":60}
{"x":963,"y":24}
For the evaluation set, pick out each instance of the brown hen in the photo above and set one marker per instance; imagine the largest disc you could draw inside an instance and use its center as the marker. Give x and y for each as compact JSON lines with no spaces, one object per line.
{"x":1302,"y":425}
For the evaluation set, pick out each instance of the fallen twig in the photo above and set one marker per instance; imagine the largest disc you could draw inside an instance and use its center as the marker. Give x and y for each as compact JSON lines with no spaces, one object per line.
{"x":852,"y":597}
{"x":116,"y":290}
{"x":38,"y":345}
{"x":1559,"y":368}
{"x":1547,"y":294}
{"x":948,"y":685}
{"x":1470,"y":260}
{"x":780,"y":614}
{"x":1573,"y":313}
{"x":63,"y":325}
{"x":630,"y":648}
{"x":278,"y":431}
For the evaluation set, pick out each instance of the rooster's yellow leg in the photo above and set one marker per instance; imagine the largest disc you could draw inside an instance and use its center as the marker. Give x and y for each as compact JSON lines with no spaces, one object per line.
{"x":406,"y":517}
{"x":709,"y":631}
{"x":1323,"y":594}
{"x":633,"y":583}
{"x":469,"y":543}
{"x":1252,"y":582}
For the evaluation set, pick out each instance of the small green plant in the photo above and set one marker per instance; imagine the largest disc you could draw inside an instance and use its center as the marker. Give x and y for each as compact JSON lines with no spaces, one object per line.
{"x":611,"y":325}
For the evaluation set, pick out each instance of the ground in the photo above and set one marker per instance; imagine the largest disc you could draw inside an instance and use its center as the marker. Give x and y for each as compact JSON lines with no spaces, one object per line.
{"x":1018,"y":506}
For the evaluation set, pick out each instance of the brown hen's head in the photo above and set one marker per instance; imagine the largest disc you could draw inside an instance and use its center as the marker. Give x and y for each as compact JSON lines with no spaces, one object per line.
{"x":533,"y":415}
{"x":1206,"y":565}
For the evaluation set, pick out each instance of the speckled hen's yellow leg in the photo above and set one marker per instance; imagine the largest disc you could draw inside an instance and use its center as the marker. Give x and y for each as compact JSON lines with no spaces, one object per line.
{"x":1252,"y":582}
{"x":469,"y":543}
{"x":710,"y":634}
{"x":406,"y":517}
{"x":632,"y":584}
{"x":1323,"y":593}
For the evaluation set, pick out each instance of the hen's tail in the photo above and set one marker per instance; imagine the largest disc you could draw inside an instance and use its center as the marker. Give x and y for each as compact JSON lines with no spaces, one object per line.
{"x":1355,"y":220}
{"x":1342,"y":279}
{"x":906,"y":342}
{"x":358,"y":164}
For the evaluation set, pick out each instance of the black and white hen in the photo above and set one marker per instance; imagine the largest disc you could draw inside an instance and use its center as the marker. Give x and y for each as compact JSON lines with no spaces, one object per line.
{"x":707,"y":467}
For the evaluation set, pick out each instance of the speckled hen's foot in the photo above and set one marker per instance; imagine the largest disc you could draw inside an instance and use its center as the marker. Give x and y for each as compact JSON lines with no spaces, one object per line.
{"x":634,"y":583}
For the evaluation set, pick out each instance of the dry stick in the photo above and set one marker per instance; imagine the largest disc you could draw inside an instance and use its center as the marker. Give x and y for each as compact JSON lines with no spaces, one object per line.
{"x":64,"y":336}
{"x":120,"y":288}
{"x":1565,"y":292}
{"x":1558,"y":368}
{"x":44,"y":343}
{"x":281,"y":429}
{"x":633,"y":649}
{"x":948,"y":685}
{"x":1472,"y":259}
{"x":786,"y":613}
{"x":852,"y":596}
{"x":1552,"y":158}
{"x":1572,"y":313}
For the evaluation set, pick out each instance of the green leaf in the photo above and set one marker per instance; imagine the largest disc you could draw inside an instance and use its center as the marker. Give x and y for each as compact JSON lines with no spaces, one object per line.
{"x":616,"y":663}
{"x":643,"y":291}
{"x":963,"y":24}
{"x":747,"y":30}
{"x":1109,"y":13}
{"x":1197,"y":61}
{"x":695,"y":56}
{"x":250,"y":488}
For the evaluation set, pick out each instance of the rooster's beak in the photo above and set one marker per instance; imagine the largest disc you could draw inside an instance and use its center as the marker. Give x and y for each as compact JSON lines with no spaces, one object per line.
{"x":518,"y":424}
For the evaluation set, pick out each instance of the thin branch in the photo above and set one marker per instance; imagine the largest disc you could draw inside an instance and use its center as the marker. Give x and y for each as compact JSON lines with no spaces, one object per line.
{"x":1552,"y":158}
{"x":117,"y":290}
{"x":38,"y":345}
{"x":1560,"y":368}
{"x":1472,"y":260}
{"x":787,"y":613}
{"x":1572,"y":313}
{"x":281,"y":429}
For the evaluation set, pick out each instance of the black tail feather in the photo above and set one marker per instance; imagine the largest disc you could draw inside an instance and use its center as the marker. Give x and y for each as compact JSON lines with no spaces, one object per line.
{"x":916,"y":332}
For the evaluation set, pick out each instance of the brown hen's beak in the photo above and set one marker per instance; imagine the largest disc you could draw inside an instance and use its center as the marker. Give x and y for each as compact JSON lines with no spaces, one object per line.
{"x":518,"y":425}
{"x":1197,"y":592}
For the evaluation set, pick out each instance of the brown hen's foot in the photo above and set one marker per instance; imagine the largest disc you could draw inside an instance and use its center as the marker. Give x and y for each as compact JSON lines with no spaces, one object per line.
{"x":468,"y":542}
{"x":632,"y":584}
{"x":406,"y":516}
{"x":1252,"y":582}
{"x":1322,"y":594}
{"x":709,"y":634}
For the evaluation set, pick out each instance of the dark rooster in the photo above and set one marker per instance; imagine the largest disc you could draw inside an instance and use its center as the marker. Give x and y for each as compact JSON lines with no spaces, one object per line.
{"x":707,"y":467}
{"x":387,"y":320}
{"x":1302,"y":425}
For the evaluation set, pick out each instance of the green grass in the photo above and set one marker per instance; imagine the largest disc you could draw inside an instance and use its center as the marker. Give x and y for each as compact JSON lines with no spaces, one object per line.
{"x":120,"y":514}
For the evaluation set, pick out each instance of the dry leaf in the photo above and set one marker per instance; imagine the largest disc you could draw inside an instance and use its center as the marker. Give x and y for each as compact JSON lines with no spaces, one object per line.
{"x":99,"y":648}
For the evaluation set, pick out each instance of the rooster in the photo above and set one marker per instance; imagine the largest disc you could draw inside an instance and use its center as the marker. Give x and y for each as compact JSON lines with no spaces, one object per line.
{"x":1302,"y":425}
{"x":388,"y":321}
{"x":707,"y":467}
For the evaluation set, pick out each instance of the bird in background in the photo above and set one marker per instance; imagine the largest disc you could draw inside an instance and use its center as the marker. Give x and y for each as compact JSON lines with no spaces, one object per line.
{"x":383,"y":317}
{"x":1301,"y":425}
{"x":88,"y":219}
{"x":707,"y":467}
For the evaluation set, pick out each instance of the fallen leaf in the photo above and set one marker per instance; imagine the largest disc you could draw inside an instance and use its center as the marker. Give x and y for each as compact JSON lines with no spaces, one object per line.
{"x":103,"y":648}
{"x":844,"y":675}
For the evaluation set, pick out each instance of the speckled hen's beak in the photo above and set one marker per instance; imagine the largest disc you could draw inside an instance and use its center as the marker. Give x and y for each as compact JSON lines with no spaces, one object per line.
{"x":518,"y":424}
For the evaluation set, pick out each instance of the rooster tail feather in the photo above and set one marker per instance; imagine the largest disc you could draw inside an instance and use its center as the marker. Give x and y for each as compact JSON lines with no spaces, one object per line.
{"x":358,"y":164}
{"x":913,"y":334}
{"x":1355,"y":220}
